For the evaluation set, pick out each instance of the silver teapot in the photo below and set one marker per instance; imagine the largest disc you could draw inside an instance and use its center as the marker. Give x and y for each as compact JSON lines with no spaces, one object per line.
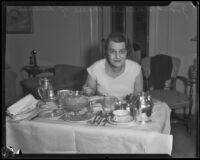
{"x":45,"y":90}
{"x":140,"y":106}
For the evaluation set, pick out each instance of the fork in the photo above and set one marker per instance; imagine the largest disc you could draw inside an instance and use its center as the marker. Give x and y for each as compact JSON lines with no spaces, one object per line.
{"x":97,"y":114}
{"x":106,"y":119}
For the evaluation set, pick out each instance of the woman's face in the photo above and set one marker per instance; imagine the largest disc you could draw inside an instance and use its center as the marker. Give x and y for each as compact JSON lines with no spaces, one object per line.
{"x":117,"y":53}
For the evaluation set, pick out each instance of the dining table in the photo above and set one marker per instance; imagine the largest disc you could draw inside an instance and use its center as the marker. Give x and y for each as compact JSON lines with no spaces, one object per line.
{"x":57,"y":136}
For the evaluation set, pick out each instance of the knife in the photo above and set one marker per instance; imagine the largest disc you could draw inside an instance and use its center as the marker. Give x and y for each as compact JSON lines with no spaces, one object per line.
{"x":35,"y":116}
{"x":106,"y":119}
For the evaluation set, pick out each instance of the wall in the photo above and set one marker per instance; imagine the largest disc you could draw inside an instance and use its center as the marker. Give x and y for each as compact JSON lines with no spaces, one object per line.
{"x":66,"y":35}
{"x":129,"y":21}
{"x":171,"y":29}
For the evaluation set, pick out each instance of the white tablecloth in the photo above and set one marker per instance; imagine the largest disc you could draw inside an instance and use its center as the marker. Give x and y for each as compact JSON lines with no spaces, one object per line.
{"x":46,"y":136}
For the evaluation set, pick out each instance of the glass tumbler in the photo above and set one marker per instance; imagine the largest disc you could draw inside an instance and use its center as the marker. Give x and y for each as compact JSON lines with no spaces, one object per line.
{"x":108,"y":104}
{"x":61,"y":99}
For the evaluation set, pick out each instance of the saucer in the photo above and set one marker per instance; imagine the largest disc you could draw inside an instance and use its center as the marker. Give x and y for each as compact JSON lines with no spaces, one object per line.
{"x":113,"y":122}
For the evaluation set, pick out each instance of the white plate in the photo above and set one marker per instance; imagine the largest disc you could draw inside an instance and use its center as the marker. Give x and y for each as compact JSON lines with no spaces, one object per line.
{"x":51,"y":114}
{"x":119,"y":123}
{"x":77,"y":118}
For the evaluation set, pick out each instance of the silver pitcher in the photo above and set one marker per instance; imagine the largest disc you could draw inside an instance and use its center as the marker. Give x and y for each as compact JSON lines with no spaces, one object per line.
{"x":45,"y":90}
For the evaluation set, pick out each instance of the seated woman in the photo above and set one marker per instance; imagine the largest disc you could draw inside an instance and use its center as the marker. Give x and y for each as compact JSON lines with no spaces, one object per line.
{"x":114,"y":75}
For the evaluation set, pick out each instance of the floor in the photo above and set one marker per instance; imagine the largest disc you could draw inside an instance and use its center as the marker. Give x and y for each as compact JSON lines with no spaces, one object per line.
{"x":184,"y":145}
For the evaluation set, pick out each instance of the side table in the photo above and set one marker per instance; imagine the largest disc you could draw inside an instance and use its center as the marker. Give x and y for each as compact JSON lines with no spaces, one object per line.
{"x":33,"y":71}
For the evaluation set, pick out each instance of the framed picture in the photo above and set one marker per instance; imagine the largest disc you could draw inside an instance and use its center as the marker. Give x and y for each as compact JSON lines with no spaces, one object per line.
{"x":19,"y":19}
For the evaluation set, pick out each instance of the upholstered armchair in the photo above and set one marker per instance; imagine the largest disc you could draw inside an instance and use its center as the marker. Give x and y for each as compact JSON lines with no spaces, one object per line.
{"x":66,"y":77}
{"x":160,"y":77}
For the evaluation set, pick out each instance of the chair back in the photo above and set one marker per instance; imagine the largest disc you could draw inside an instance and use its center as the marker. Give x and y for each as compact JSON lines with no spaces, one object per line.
{"x":146,"y":65}
{"x":168,"y":92}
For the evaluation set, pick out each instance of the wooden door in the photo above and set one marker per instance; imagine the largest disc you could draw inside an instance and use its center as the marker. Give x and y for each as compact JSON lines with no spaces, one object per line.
{"x":134,"y":21}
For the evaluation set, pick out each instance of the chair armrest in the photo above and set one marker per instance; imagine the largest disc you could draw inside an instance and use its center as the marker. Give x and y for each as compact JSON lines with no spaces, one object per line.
{"x":184,"y":81}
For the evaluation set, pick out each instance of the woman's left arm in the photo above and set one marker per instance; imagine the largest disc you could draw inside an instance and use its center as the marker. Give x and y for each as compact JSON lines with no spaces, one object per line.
{"x":138,"y":87}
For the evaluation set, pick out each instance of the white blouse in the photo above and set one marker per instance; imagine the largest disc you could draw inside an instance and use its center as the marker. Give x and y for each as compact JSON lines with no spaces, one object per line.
{"x":119,"y":86}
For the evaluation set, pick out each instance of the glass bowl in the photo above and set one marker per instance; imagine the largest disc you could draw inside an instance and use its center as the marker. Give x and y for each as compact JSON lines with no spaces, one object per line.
{"x":72,"y":101}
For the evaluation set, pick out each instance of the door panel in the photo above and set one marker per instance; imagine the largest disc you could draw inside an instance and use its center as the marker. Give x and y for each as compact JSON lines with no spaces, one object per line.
{"x":141,"y":28}
{"x":118,"y":14}
{"x":90,"y":35}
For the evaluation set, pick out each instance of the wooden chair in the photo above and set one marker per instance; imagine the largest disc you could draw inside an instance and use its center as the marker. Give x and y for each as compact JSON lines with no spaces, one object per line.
{"x":168,"y":93}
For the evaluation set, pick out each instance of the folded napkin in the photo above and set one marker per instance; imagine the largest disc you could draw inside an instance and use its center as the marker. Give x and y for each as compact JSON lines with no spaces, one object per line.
{"x":27,"y":102}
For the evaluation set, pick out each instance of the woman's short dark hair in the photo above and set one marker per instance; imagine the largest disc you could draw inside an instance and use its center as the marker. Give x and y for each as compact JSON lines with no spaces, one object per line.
{"x":117,"y":37}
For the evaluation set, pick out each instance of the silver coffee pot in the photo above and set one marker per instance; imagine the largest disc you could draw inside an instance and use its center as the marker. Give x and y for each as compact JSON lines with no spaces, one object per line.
{"x":140,"y":106}
{"x":45,"y":90}
{"x":145,"y":105}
